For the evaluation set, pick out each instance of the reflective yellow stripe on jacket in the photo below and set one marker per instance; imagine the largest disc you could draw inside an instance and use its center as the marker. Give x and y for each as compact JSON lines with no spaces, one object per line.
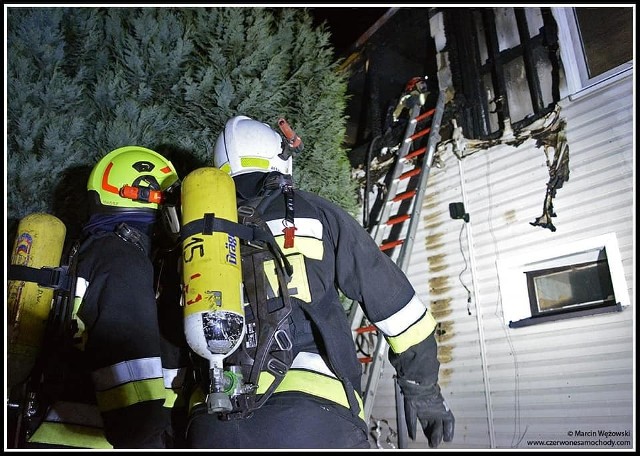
{"x":173,"y":385}
{"x":308,"y":374}
{"x":409,"y":326}
{"x":72,"y":424}
{"x":128,"y":383}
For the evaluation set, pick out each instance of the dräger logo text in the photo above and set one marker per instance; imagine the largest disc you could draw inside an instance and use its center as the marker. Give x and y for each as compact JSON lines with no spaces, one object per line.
{"x":231,"y":245}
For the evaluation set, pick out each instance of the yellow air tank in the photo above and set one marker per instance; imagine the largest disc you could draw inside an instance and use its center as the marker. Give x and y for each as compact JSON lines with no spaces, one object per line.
{"x":39,"y":242}
{"x":214,"y":321}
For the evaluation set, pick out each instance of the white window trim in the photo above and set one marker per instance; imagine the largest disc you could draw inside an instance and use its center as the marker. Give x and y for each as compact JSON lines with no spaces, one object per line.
{"x":513,"y":281}
{"x":577,"y":80}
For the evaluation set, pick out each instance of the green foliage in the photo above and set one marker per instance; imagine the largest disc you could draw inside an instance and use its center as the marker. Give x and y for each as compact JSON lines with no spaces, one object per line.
{"x":82,"y":81}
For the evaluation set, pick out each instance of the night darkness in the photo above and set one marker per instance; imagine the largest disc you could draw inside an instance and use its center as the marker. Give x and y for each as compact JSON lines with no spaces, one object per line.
{"x":346,"y":24}
{"x":398,"y":48}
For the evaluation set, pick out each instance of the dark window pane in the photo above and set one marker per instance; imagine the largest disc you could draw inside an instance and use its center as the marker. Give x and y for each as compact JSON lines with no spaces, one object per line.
{"x":570,"y":287}
{"x":607,"y":35}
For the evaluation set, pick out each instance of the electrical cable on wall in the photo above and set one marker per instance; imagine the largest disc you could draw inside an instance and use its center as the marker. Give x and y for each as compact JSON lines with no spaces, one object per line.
{"x":464,"y":270}
{"x":456,"y":211}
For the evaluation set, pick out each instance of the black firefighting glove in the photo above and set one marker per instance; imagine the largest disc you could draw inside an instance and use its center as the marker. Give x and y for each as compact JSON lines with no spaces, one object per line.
{"x":425,"y":403}
{"x":417,"y":371}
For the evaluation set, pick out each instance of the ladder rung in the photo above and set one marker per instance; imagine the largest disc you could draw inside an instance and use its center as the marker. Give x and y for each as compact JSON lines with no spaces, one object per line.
{"x":404,"y":195}
{"x":418,"y":114}
{"x":390,"y":245}
{"x":410,"y":173}
{"x":364,"y":329}
{"x":419,"y":134}
{"x":415,"y":153}
{"x":425,"y":114}
{"x":398,"y":219}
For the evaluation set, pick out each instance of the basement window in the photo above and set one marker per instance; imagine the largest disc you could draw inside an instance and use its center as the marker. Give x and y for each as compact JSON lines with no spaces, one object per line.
{"x":584,"y":278}
{"x":553,"y":291}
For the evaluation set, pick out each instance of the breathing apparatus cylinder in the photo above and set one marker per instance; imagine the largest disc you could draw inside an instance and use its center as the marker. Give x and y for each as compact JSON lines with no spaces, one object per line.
{"x":214,"y":321}
{"x":39,"y":243}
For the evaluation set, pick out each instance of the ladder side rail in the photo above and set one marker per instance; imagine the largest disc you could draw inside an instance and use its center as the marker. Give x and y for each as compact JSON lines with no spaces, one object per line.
{"x":375,"y":374}
{"x":382,"y":347}
{"x":378,"y":231}
{"x":356,"y":313}
{"x":405,"y":253}
{"x":434,"y":139}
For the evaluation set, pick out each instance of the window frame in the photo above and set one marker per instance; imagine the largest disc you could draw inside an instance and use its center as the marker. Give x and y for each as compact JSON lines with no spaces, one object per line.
{"x":474,"y":112}
{"x":536,"y":295}
{"x":574,"y":62}
{"x":482,"y":109}
{"x":514,"y":290}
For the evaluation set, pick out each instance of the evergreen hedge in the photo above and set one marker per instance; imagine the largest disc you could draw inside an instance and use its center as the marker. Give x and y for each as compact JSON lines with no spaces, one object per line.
{"x":82,"y":81}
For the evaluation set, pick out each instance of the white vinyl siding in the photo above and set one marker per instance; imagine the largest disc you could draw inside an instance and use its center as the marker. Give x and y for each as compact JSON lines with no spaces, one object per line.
{"x":509,"y":386}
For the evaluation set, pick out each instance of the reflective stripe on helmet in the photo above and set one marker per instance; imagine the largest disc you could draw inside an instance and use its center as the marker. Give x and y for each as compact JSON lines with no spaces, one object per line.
{"x":254,"y":162}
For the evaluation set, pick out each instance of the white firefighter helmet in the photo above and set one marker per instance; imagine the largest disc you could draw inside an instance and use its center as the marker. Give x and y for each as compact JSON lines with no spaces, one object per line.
{"x":246,"y":145}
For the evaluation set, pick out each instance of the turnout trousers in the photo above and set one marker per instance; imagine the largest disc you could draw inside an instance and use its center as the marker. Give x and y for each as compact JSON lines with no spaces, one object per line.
{"x":284,"y":421}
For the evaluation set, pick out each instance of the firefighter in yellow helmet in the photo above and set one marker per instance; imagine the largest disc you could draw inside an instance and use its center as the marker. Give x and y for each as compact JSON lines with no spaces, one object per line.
{"x":318,"y":402}
{"x":113,"y":389}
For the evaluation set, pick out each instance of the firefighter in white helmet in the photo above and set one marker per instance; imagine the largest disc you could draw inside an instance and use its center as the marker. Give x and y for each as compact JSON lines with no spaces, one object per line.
{"x":113,"y":390}
{"x":318,"y":403}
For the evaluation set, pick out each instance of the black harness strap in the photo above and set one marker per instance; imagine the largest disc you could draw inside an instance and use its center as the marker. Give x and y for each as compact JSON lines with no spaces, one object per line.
{"x":210,"y":224}
{"x":331,"y":340}
{"x":47,"y":377}
{"x":56,"y":278}
{"x":270,"y":346}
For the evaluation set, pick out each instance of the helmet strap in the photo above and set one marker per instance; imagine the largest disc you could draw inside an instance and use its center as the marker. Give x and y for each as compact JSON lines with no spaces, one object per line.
{"x":284,"y":182}
{"x":289,"y":224}
{"x":129,"y":233}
